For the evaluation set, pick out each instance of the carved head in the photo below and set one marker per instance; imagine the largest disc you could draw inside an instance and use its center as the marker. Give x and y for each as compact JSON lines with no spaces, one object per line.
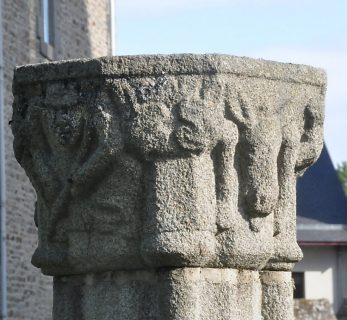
{"x":63,"y":126}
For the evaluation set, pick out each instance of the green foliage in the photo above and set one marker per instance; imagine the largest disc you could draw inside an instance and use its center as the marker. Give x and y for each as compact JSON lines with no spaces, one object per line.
{"x":342,"y":173}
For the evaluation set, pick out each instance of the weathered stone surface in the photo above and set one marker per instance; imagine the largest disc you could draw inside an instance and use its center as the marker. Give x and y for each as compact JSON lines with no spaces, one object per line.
{"x":156,"y":161}
{"x":277,"y":295}
{"x":310,"y":309}
{"x":175,"y":294}
{"x":150,"y":163}
{"x":81,"y":29}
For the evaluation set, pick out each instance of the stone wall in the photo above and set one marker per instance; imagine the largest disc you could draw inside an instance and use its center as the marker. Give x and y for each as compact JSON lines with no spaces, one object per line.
{"x":319,"y":309}
{"x":82,"y":30}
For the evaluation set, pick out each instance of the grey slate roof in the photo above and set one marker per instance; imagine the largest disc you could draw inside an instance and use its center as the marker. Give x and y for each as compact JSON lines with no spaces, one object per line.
{"x":321,"y":204}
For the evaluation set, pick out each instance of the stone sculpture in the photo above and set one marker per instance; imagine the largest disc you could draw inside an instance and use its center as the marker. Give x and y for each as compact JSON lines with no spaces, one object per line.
{"x":159,"y":178}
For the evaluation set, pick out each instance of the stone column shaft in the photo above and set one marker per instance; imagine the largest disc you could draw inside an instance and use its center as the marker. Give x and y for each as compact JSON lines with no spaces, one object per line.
{"x":180,"y":294}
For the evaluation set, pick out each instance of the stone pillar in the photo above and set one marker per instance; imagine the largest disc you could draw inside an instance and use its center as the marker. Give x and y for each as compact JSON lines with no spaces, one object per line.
{"x":166,"y":184}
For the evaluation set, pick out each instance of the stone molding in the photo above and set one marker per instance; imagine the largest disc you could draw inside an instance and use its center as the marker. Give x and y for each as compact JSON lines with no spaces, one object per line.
{"x":177,"y":64}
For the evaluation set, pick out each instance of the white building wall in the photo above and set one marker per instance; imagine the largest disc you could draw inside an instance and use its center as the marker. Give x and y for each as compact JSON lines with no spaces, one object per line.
{"x":324,"y":275}
{"x":342,"y":272}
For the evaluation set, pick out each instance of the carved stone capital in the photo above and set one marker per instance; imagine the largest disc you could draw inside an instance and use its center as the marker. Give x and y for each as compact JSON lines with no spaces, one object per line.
{"x":166,"y":161}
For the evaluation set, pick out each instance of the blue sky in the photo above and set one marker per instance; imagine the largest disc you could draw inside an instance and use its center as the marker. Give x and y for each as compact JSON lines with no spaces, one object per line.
{"x":308,"y":31}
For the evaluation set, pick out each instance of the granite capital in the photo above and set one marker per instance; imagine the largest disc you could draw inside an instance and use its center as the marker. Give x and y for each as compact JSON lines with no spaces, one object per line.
{"x":182,"y":162}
